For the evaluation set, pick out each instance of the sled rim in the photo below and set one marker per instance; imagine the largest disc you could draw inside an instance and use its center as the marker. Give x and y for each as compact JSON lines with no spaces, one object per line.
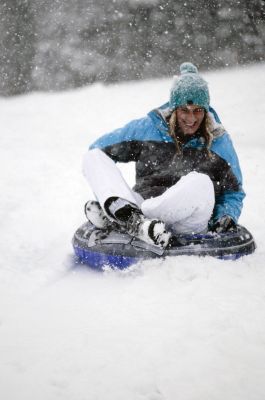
{"x":124,"y":254}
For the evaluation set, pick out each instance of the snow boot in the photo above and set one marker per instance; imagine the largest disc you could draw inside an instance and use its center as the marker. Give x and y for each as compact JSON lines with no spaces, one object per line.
{"x":95,"y":215}
{"x":151,"y":231}
{"x":131,"y":218}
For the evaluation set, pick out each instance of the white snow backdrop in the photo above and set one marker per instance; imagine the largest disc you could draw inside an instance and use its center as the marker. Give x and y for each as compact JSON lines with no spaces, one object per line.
{"x":186,"y":328}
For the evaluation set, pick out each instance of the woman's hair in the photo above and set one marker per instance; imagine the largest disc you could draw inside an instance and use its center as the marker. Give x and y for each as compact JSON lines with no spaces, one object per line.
{"x":204,"y":131}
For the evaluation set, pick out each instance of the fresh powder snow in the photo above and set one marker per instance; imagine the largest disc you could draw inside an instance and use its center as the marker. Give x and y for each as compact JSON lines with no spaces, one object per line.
{"x":186,"y":328}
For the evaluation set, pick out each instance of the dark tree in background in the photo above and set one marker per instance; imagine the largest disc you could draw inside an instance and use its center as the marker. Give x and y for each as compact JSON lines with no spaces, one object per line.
{"x":17,"y":46}
{"x":61,"y":44}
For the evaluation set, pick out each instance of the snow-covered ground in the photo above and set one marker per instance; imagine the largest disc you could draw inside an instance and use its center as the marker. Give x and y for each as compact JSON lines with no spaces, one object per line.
{"x":187,"y":328}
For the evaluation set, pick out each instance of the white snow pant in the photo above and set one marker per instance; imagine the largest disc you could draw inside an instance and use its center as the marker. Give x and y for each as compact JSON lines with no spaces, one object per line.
{"x":186,"y":207}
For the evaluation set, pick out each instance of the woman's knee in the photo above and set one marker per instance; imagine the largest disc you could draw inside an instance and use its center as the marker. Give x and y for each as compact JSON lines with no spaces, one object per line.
{"x":201,"y":183}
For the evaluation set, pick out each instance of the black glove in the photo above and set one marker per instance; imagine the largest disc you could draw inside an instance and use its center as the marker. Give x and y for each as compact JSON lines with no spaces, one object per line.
{"x":224,"y":224}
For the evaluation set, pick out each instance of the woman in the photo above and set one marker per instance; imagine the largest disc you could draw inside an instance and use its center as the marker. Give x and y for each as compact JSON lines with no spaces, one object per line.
{"x":187,"y":171}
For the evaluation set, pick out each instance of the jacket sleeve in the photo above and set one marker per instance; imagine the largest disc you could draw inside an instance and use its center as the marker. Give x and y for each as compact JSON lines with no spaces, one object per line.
{"x":229,"y":202}
{"x":125,"y":144}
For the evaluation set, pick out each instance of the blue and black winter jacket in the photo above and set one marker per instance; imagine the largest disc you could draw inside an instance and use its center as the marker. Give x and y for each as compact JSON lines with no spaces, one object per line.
{"x":147,"y":142}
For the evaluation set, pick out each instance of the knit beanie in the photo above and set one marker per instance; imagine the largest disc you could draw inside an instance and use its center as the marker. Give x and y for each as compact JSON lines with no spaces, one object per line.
{"x":189,"y":88}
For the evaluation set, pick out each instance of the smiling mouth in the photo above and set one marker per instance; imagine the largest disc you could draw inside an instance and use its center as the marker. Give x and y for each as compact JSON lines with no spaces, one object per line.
{"x":190,"y":125}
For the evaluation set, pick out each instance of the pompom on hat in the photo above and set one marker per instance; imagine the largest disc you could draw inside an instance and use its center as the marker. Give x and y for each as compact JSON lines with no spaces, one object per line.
{"x":189,"y":88}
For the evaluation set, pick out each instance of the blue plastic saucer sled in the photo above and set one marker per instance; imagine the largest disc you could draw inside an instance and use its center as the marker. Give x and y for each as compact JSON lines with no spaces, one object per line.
{"x":115,"y":249}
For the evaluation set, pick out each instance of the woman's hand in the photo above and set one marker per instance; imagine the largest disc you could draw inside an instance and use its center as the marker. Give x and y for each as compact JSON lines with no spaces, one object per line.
{"x":224,"y":224}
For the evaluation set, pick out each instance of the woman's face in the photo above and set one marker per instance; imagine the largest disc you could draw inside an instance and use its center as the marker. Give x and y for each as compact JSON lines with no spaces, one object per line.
{"x":190,"y":118}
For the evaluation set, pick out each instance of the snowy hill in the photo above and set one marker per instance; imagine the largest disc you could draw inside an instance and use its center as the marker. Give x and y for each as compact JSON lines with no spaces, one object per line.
{"x":187,"y":328}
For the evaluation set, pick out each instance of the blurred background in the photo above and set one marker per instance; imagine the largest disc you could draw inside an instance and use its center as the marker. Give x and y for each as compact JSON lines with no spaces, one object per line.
{"x":55,"y":45}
